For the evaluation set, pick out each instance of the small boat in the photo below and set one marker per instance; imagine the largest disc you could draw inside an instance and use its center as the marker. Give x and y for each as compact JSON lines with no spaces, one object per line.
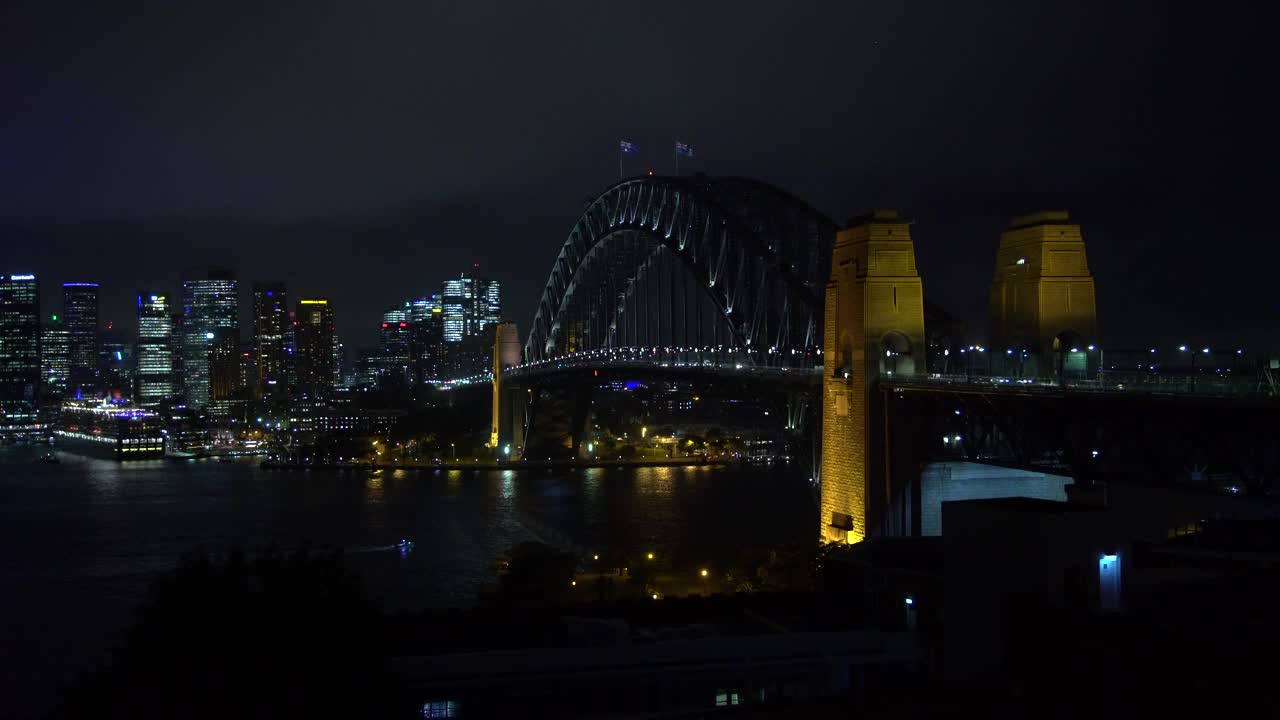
{"x":49,"y":458}
{"x":404,"y":544}
{"x":223,"y":459}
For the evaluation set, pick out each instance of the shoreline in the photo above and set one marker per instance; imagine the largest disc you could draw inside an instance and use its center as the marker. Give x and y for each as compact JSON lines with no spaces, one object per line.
{"x":493,"y":465}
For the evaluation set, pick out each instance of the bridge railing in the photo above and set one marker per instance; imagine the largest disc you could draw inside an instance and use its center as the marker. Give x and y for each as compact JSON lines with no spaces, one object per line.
{"x":1205,"y":385}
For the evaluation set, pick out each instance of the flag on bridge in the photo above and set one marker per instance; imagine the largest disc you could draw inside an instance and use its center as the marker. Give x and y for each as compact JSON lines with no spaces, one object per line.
{"x":626,"y":147}
{"x":684,"y":149}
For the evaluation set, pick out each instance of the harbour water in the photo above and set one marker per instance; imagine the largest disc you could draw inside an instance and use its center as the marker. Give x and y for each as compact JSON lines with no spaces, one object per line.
{"x":81,"y":540}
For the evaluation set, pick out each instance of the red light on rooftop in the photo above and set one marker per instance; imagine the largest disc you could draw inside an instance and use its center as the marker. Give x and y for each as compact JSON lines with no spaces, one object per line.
{"x":384,"y":324}
{"x":404,"y":324}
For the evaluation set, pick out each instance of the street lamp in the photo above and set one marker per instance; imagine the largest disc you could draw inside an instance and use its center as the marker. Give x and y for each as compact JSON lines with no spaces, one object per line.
{"x":1102,"y":364}
{"x":454,"y":447}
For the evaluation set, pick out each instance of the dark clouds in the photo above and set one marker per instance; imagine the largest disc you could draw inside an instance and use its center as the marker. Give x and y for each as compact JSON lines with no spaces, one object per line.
{"x":367,"y":150}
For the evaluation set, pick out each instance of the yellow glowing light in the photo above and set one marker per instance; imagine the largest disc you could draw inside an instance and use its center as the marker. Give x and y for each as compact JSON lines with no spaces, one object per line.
{"x":595,"y":557}
{"x":313,"y":302}
{"x":655,"y":596}
{"x":650,"y":556}
{"x":644,"y":431}
{"x":573,"y":583}
{"x":704,"y":572}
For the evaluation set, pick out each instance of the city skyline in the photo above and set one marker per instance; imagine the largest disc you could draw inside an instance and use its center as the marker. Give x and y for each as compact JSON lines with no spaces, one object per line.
{"x":199,"y":356}
{"x":51,"y":299}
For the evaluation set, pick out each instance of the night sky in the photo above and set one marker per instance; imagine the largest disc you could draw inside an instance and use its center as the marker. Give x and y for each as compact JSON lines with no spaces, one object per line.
{"x":366,"y":151}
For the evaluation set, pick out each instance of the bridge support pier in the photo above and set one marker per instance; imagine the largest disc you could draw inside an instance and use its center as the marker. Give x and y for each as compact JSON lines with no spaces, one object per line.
{"x":558,"y":417}
{"x":506,"y":429}
{"x":874,"y":325}
{"x":1043,"y":318}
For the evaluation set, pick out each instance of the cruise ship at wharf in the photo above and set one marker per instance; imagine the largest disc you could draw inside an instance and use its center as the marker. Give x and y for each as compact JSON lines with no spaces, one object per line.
{"x":111,"y":430}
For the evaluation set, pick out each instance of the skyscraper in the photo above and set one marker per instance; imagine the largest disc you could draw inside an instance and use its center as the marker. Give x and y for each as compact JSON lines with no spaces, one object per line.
{"x":472,"y":307}
{"x":394,"y":337}
{"x":270,"y":337}
{"x":225,"y":375}
{"x":155,"y":371}
{"x":80,"y":315}
{"x":55,"y":364}
{"x":314,"y":335}
{"x":339,"y":363}
{"x":209,"y":303}
{"x":489,"y":311}
{"x":454,"y":301}
{"x":426,"y":340}
{"x":116,"y":365}
{"x":19,"y":349}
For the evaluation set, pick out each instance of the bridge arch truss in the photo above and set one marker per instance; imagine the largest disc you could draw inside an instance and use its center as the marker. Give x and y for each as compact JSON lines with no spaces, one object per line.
{"x":689,"y":265}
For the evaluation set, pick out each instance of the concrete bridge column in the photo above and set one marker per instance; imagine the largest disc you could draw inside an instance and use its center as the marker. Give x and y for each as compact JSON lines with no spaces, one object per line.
{"x":506,"y":426}
{"x":874,"y":325}
{"x":1042,"y":300}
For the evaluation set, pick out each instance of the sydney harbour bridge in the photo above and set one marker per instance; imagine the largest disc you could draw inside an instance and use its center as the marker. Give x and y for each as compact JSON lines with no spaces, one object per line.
{"x":735,"y":284}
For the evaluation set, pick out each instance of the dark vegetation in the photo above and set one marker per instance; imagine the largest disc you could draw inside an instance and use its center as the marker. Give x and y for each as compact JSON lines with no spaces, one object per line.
{"x":278,"y":636}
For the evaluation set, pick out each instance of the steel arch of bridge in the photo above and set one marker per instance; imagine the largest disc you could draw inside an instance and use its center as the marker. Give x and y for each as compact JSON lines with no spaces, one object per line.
{"x":761,"y":256}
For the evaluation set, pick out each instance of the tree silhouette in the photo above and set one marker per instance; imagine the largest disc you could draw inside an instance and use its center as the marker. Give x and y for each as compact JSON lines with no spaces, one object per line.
{"x":538,"y":575}
{"x":275,"y":636}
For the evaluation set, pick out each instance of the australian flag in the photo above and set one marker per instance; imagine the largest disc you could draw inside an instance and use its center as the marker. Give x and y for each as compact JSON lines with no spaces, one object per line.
{"x":626,"y":147}
{"x":683,"y":149}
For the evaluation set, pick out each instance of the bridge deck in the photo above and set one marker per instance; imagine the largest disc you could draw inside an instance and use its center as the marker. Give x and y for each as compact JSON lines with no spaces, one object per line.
{"x":1152,"y":385}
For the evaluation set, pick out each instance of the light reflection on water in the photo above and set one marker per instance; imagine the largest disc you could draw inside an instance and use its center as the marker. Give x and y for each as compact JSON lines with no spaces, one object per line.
{"x":508,"y":485}
{"x":80,"y":541}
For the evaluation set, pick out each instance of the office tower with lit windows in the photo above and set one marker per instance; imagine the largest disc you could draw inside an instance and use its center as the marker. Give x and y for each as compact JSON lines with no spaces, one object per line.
{"x":226,"y":389}
{"x":471,"y":308}
{"x":339,"y":363}
{"x":19,"y":350}
{"x":315,"y":336}
{"x":210,"y":317}
{"x":368,"y":368}
{"x":426,"y":338}
{"x":116,"y":364}
{"x":248,"y":367}
{"x":155,"y":371}
{"x":394,"y":339}
{"x":80,"y":317}
{"x":457,"y":303}
{"x":55,"y":363}
{"x":271,"y":326}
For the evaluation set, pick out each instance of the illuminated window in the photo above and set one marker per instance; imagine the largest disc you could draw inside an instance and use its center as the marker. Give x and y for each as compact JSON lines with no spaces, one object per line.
{"x":725,"y":698}
{"x":1109,"y":581}
{"x":440,"y":709}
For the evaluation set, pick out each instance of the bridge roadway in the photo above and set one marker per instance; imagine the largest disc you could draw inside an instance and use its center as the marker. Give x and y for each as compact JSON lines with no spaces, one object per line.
{"x":1203,"y":386}
{"x":653,"y":362}
{"x":793,"y":368}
